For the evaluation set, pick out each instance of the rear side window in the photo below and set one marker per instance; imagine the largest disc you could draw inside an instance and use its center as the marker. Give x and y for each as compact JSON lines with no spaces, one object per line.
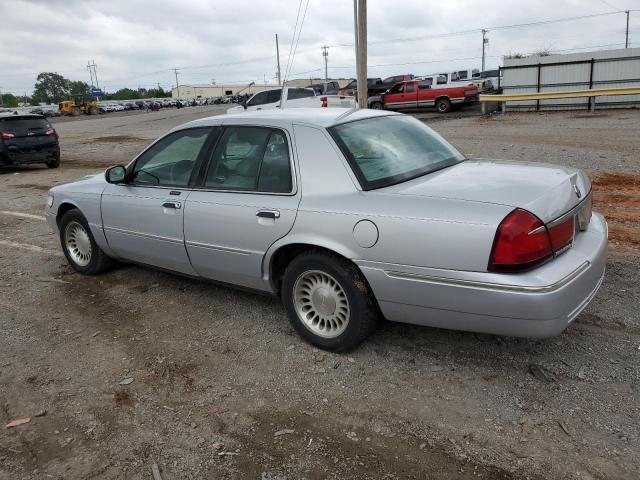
{"x":409,"y":88}
{"x":22,"y":125}
{"x":295,"y":93}
{"x":424,"y":84}
{"x":254,"y":159}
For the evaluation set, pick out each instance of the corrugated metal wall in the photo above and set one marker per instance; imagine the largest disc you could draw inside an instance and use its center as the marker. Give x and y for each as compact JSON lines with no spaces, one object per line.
{"x":552,"y":73}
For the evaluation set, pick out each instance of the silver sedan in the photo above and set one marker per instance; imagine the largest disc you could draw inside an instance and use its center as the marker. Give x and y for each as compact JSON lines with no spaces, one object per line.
{"x":351,"y":216}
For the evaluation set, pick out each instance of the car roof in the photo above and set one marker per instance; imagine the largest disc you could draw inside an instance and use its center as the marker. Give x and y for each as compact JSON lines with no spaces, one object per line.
{"x":318,"y":117}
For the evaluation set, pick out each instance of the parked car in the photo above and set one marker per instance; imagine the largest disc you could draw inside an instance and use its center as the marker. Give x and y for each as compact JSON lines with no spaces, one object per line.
{"x":294,"y":98}
{"x":331,"y":88}
{"x":350,"y":89}
{"x":28,"y":138}
{"x":420,"y":93}
{"x":45,"y":112}
{"x":347,"y":215}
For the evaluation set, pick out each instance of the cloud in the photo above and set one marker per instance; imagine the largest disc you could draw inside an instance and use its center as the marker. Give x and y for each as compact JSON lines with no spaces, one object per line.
{"x":138,"y":43}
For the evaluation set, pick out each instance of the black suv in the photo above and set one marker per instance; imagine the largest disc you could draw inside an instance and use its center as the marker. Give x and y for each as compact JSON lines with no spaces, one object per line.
{"x":28,"y":138}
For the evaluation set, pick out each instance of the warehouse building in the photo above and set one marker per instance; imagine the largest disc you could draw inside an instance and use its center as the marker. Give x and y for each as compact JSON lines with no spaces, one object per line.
{"x":218,"y":90}
{"x":603,"y":69}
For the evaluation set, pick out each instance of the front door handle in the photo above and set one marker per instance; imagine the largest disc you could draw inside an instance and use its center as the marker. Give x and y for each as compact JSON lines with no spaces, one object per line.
{"x":175,"y":205}
{"x":268,"y":214}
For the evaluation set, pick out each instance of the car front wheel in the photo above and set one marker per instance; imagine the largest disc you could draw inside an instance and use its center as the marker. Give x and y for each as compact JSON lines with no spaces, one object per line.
{"x":328,"y":301}
{"x":79,"y":246}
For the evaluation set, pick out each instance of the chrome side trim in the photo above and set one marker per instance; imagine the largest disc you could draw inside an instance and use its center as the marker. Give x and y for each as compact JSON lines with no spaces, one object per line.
{"x":571,"y":212}
{"x":144,"y":235}
{"x":489,"y":285}
{"x":222,"y":249}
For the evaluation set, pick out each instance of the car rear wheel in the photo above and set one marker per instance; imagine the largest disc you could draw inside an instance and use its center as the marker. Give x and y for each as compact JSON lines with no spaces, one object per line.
{"x":79,"y":246}
{"x":75,"y":111}
{"x":376,"y":106}
{"x":55,"y":161}
{"x":443,"y":105}
{"x":328,"y":301}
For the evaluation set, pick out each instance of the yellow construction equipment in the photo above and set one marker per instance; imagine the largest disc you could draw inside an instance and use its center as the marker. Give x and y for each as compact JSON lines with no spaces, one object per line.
{"x":77,"y":106}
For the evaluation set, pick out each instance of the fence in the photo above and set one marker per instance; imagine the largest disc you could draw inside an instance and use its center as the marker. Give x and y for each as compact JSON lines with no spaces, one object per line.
{"x":600,"y":70}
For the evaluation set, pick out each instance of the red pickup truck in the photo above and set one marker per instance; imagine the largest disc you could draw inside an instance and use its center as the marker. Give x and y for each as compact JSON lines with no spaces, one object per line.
{"x":420,"y":93}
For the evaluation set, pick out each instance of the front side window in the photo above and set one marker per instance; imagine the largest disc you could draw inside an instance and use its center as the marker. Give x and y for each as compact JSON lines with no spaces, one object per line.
{"x":170,"y":161}
{"x":397,"y":88}
{"x":250,"y":159}
{"x":462,"y":75}
{"x":383,"y":151}
{"x":258,"y":99}
{"x":274,"y":96}
{"x":442,"y":79}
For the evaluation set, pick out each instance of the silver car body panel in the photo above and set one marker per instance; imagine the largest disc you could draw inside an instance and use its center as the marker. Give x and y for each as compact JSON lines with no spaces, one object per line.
{"x":426,"y":260}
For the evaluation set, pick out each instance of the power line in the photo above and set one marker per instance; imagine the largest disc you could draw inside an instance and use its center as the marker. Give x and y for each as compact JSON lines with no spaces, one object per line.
{"x":293,"y":56}
{"x":293,"y":38}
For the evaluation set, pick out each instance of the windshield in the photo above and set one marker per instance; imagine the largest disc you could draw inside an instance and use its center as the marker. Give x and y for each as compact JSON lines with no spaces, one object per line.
{"x":387,"y":150}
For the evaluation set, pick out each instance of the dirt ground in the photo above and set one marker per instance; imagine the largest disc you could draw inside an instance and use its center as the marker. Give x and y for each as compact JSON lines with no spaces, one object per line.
{"x":216,"y":384}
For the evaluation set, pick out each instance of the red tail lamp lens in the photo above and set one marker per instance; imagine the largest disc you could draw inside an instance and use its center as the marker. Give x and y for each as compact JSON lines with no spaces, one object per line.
{"x":521,"y":242}
{"x":561,"y":234}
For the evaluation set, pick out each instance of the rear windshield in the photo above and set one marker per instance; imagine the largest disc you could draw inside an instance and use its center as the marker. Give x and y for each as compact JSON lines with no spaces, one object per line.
{"x":387,"y":150}
{"x":21,"y":125}
{"x":295,"y":93}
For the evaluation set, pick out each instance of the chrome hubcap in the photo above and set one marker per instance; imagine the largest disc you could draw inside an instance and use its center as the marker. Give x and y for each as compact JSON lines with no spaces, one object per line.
{"x":321,"y":303}
{"x":78,"y":244}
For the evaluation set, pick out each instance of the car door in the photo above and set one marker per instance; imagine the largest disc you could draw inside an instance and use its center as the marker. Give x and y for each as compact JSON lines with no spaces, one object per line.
{"x":426,"y":94}
{"x":247,"y":200}
{"x":401,"y":95}
{"x":143,"y":218}
{"x":265,"y":100}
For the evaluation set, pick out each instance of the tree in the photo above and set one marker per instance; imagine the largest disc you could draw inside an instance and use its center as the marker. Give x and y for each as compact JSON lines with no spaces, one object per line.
{"x":80,"y":88}
{"x":51,"y":88}
{"x":8,"y":100}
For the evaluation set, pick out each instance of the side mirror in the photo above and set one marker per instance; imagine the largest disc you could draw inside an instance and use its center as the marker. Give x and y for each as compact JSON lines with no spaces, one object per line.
{"x":115,"y":174}
{"x":244,"y":104}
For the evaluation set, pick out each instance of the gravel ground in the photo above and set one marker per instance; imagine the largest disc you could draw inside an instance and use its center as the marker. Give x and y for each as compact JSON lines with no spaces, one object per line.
{"x":221,"y":387}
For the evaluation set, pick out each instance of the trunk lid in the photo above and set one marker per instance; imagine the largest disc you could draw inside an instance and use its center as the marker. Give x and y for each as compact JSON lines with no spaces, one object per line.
{"x":547,"y":191}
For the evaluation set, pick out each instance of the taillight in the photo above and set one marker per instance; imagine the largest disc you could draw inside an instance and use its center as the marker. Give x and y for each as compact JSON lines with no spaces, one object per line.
{"x":561,"y":234}
{"x":6,"y":136}
{"x":521,"y":242}
{"x":51,"y":132}
{"x":324,"y":101}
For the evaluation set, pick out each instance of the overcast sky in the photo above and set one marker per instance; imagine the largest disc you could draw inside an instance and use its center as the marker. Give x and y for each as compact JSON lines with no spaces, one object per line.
{"x":137,"y":43}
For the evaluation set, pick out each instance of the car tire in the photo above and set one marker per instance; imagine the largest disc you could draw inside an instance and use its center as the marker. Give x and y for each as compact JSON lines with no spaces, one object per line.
{"x":443,"y":105}
{"x":328,"y":301}
{"x":55,"y":161}
{"x":79,"y":246}
{"x":377,"y":106}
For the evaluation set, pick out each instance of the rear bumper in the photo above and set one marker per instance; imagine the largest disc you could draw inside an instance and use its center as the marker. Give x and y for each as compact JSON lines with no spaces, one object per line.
{"x":27,"y":156}
{"x":539,"y":303}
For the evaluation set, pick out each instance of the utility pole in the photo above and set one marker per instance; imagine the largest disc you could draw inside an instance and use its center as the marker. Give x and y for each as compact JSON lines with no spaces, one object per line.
{"x":626,"y":41}
{"x":278,"y":57}
{"x":175,"y":70}
{"x":90,"y":73}
{"x":360,"y":12}
{"x":95,"y":72}
{"x":325,"y":54}
{"x":485,"y":41}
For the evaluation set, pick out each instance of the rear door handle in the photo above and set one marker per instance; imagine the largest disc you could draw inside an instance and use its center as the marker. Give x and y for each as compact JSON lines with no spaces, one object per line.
{"x":176,"y":205}
{"x":268,"y":214}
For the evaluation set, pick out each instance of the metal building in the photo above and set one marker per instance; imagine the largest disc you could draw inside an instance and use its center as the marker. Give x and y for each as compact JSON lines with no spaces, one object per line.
{"x":576,"y":71}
